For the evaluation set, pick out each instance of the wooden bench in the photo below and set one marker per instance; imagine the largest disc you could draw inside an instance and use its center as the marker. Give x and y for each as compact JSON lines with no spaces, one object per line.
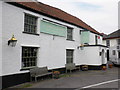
{"x":70,"y":67}
{"x":38,"y":72}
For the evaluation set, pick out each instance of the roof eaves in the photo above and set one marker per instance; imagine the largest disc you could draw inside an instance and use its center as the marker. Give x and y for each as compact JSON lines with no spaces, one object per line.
{"x":19,"y":4}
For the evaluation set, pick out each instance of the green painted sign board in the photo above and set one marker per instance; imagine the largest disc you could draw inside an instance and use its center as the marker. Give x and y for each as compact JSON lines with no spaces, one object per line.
{"x":53,"y":29}
{"x":85,"y":37}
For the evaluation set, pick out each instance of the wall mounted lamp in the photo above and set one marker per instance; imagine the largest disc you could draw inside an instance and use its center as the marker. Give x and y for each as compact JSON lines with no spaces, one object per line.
{"x":12,"y":42}
{"x":80,"y":47}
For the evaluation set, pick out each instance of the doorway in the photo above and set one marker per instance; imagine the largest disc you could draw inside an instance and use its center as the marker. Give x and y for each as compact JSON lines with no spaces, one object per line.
{"x":107,"y":55}
{"x":69,"y":56}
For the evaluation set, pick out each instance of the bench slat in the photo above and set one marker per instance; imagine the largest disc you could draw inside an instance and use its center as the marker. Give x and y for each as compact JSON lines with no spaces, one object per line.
{"x":38,"y":72}
{"x":70,"y":66}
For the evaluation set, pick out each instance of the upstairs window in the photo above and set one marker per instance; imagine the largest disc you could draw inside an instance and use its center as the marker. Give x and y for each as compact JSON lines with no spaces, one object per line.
{"x":118,"y":41}
{"x":30,"y":24}
{"x":69,"y":33}
{"x":108,"y":43}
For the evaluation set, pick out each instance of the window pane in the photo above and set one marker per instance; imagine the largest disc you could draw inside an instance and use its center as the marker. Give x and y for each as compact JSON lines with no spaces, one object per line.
{"x":69,"y":33}
{"x":69,"y":56}
{"x":118,"y":41}
{"x":29,"y":56}
{"x":30,"y":23}
{"x":108,"y":42}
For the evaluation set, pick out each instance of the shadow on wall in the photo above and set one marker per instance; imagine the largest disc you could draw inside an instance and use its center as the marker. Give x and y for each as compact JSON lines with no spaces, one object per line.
{"x":15,"y":79}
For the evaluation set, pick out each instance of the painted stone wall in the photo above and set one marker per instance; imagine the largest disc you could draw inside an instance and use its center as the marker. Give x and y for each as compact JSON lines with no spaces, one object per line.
{"x":51,"y":41}
{"x":0,"y":38}
{"x":0,"y":44}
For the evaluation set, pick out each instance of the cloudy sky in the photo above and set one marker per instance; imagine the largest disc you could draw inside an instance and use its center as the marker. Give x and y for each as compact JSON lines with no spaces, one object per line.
{"x":102,"y":15}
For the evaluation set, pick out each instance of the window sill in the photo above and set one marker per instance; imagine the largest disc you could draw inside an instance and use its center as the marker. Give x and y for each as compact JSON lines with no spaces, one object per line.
{"x":70,"y":40}
{"x":31,"y":33}
{"x":27,"y":68}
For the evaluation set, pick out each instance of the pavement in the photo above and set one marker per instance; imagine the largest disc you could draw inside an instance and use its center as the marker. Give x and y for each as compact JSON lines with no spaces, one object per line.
{"x":80,"y":80}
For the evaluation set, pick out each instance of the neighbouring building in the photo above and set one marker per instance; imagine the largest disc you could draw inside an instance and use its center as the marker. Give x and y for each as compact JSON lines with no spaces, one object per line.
{"x":113,"y":42}
{"x":46,"y":36}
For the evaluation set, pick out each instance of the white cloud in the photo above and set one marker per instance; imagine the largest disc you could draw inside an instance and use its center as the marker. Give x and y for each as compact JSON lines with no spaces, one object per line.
{"x":102,"y":14}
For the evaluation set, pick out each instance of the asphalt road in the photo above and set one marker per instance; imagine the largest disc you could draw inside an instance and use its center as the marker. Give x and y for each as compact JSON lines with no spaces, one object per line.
{"x":92,"y":79}
{"x":81,"y":79}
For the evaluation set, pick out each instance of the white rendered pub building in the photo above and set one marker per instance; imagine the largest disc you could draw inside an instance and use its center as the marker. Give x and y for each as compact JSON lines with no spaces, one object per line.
{"x":34,"y":34}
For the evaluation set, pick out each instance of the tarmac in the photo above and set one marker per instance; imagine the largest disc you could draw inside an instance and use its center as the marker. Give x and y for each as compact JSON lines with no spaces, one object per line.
{"x":78,"y":80}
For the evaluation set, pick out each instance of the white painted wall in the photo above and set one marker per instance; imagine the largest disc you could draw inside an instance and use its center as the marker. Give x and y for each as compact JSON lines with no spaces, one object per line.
{"x":12,"y":24}
{"x":100,"y":41}
{"x":52,"y":49}
{"x":104,"y":42}
{"x":119,"y":15}
{"x":87,"y":56}
{"x":56,"y":57}
{"x":113,"y":42}
{"x":92,"y":39}
{"x":52,"y":52}
{"x":0,"y":38}
{"x":105,"y":54}
{"x":114,"y":58}
{"x":113,"y":45}
{"x":90,"y":56}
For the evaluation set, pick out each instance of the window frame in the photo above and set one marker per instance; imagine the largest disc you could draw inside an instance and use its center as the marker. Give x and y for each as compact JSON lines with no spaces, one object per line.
{"x":70,"y":34}
{"x":108,"y":43}
{"x":69,"y":56}
{"x":118,"y":41}
{"x":29,"y":59}
{"x":32,"y":25}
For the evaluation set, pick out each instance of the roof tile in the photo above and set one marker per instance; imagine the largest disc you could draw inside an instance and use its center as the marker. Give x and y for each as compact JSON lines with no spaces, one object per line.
{"x":113,"y":35}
